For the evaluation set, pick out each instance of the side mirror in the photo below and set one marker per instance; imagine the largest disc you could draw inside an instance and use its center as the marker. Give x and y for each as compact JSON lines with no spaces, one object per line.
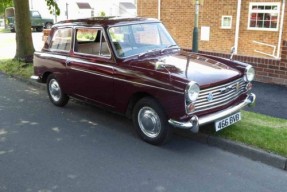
{"x":232,"y":52}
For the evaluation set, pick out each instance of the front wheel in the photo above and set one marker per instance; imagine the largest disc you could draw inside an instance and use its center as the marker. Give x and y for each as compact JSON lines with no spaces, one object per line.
{"x":151,"y":122}
{"x":48,"y":25}
{"x":55,"y":92}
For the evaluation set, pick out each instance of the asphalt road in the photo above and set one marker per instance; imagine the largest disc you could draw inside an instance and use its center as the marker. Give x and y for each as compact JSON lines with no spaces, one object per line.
{"x":44,"y":148}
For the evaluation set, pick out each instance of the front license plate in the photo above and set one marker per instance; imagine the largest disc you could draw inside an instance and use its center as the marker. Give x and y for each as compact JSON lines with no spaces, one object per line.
{"x":221,"y":124}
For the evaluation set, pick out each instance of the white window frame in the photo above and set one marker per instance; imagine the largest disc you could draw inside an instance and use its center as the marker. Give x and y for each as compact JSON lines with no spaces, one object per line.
{"x":278,"y":4}
{"x":222,"y":22}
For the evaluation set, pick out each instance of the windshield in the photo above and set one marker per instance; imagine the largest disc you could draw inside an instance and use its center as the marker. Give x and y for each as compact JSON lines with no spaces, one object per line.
{"x":138,"y":39}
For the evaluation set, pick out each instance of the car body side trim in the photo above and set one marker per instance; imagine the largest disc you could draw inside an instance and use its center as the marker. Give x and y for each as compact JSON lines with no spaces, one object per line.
{"x":124,"y":80}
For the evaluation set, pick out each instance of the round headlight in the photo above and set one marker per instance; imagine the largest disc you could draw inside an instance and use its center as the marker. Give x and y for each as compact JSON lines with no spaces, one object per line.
{"x":249,"y":73}
{"x":192,"y":91}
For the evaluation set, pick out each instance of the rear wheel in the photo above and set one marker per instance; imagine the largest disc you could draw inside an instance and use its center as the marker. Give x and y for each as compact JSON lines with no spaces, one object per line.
{"x":55,"y":92}
{"x":39,"y":29}
{"x":151,"y":122}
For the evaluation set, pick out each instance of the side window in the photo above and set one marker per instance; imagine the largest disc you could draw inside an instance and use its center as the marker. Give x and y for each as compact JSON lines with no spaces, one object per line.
{"x":35,"y":14}
{"x":91,"y":41}
{"x":62,"y":39}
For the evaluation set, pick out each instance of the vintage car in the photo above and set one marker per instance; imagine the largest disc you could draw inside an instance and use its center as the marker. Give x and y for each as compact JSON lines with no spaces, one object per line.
{"x":134,"y":67}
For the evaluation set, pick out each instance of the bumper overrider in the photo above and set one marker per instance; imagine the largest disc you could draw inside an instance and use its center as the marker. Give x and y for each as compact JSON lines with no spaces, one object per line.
{"x":194,"y":123}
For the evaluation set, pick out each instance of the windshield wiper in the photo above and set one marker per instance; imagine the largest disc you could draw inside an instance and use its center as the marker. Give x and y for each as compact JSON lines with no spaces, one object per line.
{"x":149,"y":51}
{"x":173,"y":46}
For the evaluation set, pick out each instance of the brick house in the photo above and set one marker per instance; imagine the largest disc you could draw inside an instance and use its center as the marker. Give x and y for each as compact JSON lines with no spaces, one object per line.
{"x":256,"y":28}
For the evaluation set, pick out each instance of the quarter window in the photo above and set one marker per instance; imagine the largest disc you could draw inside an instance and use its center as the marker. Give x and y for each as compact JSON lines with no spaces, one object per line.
{"x":62,"y":39}
{"x":264,"y":16}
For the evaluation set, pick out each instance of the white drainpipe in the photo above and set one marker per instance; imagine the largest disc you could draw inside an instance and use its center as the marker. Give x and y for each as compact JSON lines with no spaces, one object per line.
{"x":237,"y":26}
{"x":158,"y":9}
{"x":281,"y":29}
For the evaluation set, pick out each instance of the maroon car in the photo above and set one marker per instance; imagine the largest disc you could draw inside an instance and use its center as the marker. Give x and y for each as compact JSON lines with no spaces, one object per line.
{"x":133,"y":66}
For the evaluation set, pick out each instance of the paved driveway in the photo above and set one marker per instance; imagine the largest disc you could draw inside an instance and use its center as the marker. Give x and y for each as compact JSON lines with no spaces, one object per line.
{"x":8,"y":44}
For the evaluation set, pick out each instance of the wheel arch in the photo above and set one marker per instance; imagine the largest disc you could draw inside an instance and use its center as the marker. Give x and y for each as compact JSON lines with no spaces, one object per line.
{"x":45,"y":76}
{"x":135,"y":98}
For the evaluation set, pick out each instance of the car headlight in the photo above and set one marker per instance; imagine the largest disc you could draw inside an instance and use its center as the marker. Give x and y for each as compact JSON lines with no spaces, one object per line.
{"x":192,"y":91}
{"x":249,"y":73}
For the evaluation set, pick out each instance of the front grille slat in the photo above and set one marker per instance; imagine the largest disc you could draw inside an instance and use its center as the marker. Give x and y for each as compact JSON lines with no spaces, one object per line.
{"x":219,"y":98}
{"x":219,"y":95}
{"x":222,"y":99}
{"x":218,"y":101}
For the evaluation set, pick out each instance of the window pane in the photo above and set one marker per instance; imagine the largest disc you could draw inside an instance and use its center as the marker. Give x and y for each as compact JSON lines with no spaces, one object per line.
{"x":35,"y":14}
{"x":91,"y":41}
{"x":259,"y":23}
{"x":62,"y":39}
{"x":261,"y":7}
{"x":267,"y":24}
{"x":139,"y":38}
{"x":86,"y":34}
{"x":254,"y":7}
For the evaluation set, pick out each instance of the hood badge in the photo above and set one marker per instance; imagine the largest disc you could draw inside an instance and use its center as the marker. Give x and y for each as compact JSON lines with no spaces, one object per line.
{"x":209,"y":97}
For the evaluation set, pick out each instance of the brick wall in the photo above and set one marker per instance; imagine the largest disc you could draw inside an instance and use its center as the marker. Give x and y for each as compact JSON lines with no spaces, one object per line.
{"x":178,"y":17}
{"x":147,"y":8}
{"x":267,"y":70}
{"x":247,"y":37}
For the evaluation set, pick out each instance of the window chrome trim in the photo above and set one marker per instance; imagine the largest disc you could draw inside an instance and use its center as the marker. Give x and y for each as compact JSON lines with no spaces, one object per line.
{"x":87,"y":54}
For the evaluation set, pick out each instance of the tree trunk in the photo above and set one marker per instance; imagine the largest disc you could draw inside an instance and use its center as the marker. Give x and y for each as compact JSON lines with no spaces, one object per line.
{"x":24,"y":43}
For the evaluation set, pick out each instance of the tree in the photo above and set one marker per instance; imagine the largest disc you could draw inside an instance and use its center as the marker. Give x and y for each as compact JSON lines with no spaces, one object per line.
{"x":53,"y":6}
{"x":24,"y":43}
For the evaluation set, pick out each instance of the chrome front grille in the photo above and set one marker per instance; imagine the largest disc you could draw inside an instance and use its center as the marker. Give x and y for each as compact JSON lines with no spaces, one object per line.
{"x":220,"y":95}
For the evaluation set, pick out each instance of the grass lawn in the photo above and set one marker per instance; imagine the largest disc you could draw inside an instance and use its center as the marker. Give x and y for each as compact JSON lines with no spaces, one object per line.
{"x":254,"y":129}
{"x":16,"y":68}
{"x":261,"y":131}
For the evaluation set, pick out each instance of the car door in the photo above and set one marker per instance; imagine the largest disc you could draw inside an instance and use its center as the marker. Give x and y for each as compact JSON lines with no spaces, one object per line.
{"x":36,"y":19}
{"x":91,"y":67}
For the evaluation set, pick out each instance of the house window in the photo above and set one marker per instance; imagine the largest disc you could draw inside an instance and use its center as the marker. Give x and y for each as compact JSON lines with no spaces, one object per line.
{"x":264,"y":16}
{"x":226,"y":22}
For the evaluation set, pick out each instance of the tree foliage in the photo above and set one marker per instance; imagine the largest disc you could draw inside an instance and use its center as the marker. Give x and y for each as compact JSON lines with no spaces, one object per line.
{"x":53,"y":7}
{"x":4,"y":4}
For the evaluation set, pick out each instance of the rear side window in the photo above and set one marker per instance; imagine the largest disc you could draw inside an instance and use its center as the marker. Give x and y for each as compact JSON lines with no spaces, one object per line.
{"x":62,"y":39}
{"x":91,"y":41}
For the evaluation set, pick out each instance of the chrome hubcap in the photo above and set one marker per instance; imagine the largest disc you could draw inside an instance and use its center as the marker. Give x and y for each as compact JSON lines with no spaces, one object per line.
{"x":149,"y":122}
{"x":55,"y":90}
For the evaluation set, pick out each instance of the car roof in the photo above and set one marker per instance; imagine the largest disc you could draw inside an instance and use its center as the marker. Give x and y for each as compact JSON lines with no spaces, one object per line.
{"x":105,"y":21}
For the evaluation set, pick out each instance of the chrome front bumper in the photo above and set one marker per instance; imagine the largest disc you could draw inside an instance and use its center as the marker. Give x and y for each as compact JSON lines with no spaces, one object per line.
{"x":194,"y":123}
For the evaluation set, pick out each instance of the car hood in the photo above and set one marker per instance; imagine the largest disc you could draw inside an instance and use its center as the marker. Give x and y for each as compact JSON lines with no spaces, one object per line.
{"x":184,"y":67}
